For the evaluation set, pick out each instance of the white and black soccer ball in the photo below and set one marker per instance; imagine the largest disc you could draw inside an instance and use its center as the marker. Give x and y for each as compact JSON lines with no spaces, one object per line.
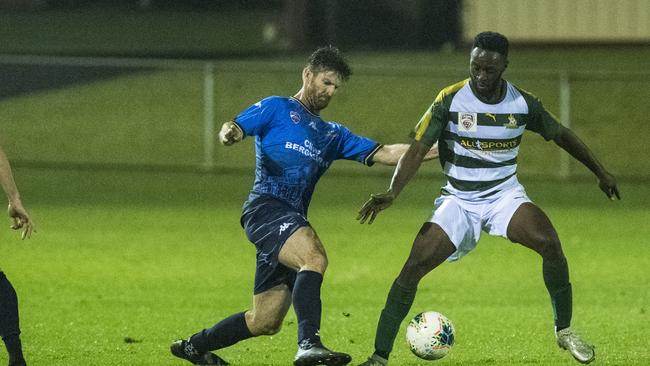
{"x":430,"y":335}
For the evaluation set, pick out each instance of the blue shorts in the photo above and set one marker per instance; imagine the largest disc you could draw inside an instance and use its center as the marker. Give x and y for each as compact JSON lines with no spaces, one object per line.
{"x":268,"y":223}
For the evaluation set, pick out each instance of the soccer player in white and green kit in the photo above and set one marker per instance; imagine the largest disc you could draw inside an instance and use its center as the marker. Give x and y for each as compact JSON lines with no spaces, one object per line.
{"x":478,"y":124}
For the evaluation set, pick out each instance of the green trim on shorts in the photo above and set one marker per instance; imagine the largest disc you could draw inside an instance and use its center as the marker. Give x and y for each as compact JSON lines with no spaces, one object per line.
{"x":468,"y":162}
{"x":466,"y":185}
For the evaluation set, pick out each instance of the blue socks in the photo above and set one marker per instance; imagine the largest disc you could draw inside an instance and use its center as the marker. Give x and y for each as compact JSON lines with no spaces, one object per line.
{"x":306,"y":302}
{"x":223,"y":334}
{"x":308,"y":307}
{"x":9,"y":326}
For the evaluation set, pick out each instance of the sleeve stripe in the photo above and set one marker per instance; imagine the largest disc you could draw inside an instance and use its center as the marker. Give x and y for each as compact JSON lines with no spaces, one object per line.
{"x":372,"y":153}
{"x":450,"y":90}
{"x":422,"y":126}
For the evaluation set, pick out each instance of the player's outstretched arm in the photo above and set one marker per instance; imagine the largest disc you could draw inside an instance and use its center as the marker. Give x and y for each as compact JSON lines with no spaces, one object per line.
{"x":572,"y":144}
{"x":230,"y":133}
{"x":17,"y":213}
{"x":390,"y":154}
{"x":406,"y":168}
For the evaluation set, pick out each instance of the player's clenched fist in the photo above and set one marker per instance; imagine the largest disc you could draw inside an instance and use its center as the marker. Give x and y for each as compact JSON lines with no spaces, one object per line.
{"x":230,"y":133}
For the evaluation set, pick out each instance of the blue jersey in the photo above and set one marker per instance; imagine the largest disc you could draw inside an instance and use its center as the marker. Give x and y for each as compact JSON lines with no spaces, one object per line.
{"x":294,"y":147}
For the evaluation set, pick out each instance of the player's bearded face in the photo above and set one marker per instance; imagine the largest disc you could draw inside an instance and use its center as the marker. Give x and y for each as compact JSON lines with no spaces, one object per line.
{"x":320,"y":87}
{"x":486,"y":68}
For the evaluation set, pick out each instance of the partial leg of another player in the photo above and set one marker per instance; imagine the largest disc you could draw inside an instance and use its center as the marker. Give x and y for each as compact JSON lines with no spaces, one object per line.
{"x":269,"y":309}
{"x":530,"y":227}
{"x":9,"y":324}
{"x":304,"y":252}
{"x":430,"y":248}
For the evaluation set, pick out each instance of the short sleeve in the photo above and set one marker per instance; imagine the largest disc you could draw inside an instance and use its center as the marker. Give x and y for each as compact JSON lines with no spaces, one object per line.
{"x":540,"y":120}
{"x":430,"y":126}
{"x":255,"y":119}
{"x":354,"y":147}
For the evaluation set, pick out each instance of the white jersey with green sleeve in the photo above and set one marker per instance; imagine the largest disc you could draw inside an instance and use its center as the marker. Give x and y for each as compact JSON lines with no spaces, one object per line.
{"x":479,"y":142}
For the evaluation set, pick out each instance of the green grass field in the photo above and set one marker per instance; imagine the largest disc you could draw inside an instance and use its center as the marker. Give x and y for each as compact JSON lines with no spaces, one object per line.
{"x":125,"y":262}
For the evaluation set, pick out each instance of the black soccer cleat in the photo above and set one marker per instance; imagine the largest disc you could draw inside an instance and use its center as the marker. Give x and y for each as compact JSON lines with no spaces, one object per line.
{"x":185,"y":350}
{"x":320,"y":356}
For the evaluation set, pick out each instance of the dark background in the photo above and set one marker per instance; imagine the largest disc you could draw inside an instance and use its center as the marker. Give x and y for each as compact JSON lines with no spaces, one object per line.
{"x":300,"y":24}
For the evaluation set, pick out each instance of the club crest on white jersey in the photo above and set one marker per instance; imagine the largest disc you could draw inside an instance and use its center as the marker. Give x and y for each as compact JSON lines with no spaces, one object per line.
{"x":467,"y":122}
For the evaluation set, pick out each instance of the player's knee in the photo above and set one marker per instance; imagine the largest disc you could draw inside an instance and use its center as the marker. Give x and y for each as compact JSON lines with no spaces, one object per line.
{"x":263,"y":325}
{"x":414,"y":270}
{"x":316,"y":261}
{"x":549,"y":247}
{"x":270,"y":327}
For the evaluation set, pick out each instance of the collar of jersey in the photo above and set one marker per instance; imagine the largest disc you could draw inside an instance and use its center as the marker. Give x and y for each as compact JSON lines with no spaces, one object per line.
{"x":305,"y":107}
{"x":503,"y":97}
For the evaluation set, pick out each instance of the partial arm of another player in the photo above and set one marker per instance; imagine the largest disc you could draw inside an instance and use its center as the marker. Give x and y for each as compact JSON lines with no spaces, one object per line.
{"x":406,"y":168}
{"x":230,"y":133}
{"x":390,"y":154}
{"x":19,"y":216}
{"x":572,"y":144}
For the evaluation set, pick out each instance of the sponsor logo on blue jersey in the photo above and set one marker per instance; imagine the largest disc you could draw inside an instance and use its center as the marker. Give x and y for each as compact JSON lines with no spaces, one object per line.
{"x":295,"y":116}
{"x":308,"y":149}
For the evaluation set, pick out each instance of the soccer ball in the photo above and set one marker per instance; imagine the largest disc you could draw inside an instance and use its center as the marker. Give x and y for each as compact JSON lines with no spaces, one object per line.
{"x":430,"y":335}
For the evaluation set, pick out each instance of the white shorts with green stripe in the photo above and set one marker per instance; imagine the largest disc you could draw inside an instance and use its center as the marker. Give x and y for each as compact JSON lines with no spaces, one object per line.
{"x":463,"y":219}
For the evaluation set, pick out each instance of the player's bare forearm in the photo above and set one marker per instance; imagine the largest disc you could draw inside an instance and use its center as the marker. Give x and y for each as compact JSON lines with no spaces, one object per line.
{"x":572,"y":144}
{"x":391,"y":154}
{"x":230,"y":133}
{"x":17,"y":213}
{"x":407,"y":166}
{"x":432,"y":153}
{"x":7,"y":179}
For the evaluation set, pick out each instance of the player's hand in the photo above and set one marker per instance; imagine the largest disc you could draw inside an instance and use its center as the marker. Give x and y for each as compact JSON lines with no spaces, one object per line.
{"x":607,"y":184}
{"x":20,"y":219}
{"x":374,"y":205}
{"x":230,"y":134}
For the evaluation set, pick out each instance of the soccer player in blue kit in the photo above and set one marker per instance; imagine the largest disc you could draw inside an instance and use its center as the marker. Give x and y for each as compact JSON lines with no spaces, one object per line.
{"x":294,"y":147}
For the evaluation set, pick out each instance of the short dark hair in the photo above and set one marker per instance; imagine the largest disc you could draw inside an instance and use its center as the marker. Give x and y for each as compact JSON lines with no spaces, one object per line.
{"x":492,"y":41}
{"x":329,"y":58}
